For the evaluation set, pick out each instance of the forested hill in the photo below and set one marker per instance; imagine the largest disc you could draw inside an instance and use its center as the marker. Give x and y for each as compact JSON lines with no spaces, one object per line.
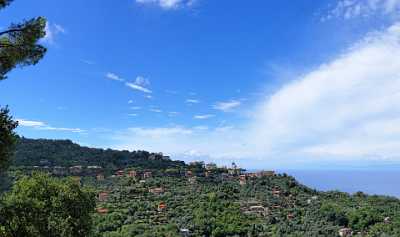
{"x":65,"y":153}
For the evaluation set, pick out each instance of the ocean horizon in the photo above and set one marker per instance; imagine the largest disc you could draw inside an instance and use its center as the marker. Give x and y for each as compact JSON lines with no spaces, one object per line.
{"x":372,"y":182}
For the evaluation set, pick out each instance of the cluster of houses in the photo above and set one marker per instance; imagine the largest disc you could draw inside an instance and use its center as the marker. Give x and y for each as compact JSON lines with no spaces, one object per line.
{"x":68,"y":171}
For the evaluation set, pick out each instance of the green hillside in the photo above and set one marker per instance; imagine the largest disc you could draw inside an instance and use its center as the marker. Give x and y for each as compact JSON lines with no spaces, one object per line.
{"x":145,"y":194}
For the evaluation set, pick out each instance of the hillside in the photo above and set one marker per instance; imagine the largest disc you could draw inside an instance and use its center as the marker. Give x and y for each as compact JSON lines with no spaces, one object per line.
{"x":232,"y":205}
{"x":65,"y":153}
{"x":145,"y":194}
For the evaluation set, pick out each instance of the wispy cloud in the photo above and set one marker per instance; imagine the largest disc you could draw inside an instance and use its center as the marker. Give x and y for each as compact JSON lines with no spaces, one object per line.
{"x":155,"y":110}
{"x":204,"y":116}
{"x":30,"y":123}
{"x":339,"y":109}
{"x":192,"y":101}
{"x":113,"y":76}
{"x":173,"y":114}
{"x":140,"y":84}
{"x":345,"y":110}
{"x":227,"y":106}
{"x":136,"y":107}
{"x":137,"y":87}
{"x":168,"y":4}
{"x":349,"y":9}
{"x":52,"y":30}
{"x":43,"y":126}
{"x":88,"y":62}
{"x":142,"y":81}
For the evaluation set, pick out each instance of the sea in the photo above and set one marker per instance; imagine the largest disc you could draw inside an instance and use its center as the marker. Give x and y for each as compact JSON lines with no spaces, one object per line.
{"x":380,"y":182}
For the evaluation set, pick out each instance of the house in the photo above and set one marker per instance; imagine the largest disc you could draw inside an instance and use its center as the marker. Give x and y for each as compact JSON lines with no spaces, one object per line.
{"x":265,"y":174}
{"x":276,"y":192}
{"x":94,"y":169}
{"x":259,"y":210}
{"x":120,"y":173}
{"x":242,"y":179}
{"x":251,"y":175}
{"x":161,"y":207}
{"x":103,"y":196}
{"x":147,"y":175}
{"x":102,"y":211}
{"x":184,"y":232}
{"x":211,"y":166}
{"x":78,"y":169}
{"x":156,"y":191}
{"x":58,"y":170}
{"x":207,"y":173}
{"x":100,"y":177}
{"x":132,"y":174}
{"x":345,"y":232}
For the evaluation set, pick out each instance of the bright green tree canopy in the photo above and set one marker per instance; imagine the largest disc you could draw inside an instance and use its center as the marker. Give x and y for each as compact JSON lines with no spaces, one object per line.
{"x":42,"y":206}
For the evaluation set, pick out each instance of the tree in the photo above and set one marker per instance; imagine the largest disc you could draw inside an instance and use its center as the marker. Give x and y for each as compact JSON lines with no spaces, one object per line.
{"x":19,"y":43}
{"x":18,"y":46}
{"x":7,"y":138}
{"x":42,"y":206}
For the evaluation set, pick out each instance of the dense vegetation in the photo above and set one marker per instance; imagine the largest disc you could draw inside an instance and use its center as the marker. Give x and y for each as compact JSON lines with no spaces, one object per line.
{"x":213,"y":206}
{"x":176,"y":199}
{"x":65,"y":153}
{"x":45,"y":206}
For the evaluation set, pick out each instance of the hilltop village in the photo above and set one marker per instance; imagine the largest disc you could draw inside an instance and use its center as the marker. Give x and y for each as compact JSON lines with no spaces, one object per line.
{"x":148,"y":194}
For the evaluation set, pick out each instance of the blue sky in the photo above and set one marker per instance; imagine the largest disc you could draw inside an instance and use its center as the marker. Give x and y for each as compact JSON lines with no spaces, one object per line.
{"x":264,"y":83}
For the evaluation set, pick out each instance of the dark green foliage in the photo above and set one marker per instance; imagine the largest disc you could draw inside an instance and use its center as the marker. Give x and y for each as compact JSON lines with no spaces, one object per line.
{"x":7,"y":138}
{"x":19,"y":45}
{"x":31,"y":152}
{"x":214,"y":206}
{"x":4,"y":3}
{"x":41,"y":206}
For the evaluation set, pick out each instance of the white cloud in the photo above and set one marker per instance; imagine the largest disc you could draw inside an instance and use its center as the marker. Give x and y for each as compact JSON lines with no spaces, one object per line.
{"x":59,"y":29}
{"x":201,"y":128}
{"x":346,"y":109}
{"x":113,"y":76}
{"x":168,"y":4}
{"x":155,"y":110}
{"x":204,"y":116}
{"x":192,"y":101}
{"x":136,"y":107}
{"x":142,"y":81}
{"x":43,"y":126}
{"x":348,"y":9}
{"x":173,"y":114}
{"x":30,"y":123}
{"x":227,"y":106}
{"x":52,"y":30}
{"x":138,"y":87}
{"x":339,"y":108}
{"x":88,"y":62}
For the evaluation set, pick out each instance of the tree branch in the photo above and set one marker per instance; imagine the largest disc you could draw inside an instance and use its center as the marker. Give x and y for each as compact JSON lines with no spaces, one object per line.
{"x":11,"y":31}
